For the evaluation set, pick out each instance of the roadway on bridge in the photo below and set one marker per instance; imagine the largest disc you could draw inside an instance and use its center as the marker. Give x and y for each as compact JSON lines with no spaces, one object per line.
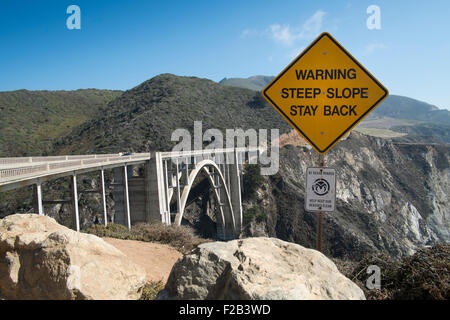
{"x":19,"y":172}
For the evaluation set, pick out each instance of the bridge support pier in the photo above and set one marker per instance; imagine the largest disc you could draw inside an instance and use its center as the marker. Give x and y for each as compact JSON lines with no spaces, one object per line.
{"x":121,"y":197}
{"x":75,"y":203}
{"x":37,"y":195}
{"x":155,"y":193}
{"x":126,"y":196}
{"x":235,"y":175}
{"x":102,"y":181}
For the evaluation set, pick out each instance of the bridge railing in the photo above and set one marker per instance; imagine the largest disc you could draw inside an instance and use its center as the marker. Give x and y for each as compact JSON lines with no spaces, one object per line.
{"x":24,"y":166}
{"x":207,"y":152}
{"x":12,"y":172}
{"x":16,"y":160}
{"x":58,"y":163}
{"x":65,"y":164}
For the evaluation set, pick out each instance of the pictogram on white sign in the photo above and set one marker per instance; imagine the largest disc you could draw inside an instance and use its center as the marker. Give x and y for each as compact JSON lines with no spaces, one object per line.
{"x":320,"y":189}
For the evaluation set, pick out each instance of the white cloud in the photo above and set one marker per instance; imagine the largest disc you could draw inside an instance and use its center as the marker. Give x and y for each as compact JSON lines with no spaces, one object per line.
{"x":294,"y":38}
{"x":287,"y":35}
{"x":374,"y":46}
{"x":313,"y":25}
{"x":295,"y":52}
{"x":249,"y":33}
{"x":282,"y":34}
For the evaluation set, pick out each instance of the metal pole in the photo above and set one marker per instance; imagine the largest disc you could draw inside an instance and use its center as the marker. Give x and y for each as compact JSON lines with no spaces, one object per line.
{"x":320,"y":214}
{"x":319,"y":231}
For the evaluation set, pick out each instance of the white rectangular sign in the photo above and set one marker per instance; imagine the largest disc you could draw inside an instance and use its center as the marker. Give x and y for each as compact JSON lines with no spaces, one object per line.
{"x":320,"y":189}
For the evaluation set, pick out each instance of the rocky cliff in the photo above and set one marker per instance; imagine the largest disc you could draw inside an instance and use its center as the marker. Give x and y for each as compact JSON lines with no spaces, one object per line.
{"x":390,"y":197}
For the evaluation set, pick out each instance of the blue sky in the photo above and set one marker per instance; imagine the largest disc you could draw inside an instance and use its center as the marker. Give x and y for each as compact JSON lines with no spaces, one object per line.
{"x":123,"y":43}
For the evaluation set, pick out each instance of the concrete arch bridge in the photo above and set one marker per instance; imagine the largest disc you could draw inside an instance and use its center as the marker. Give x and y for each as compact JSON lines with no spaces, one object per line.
{"x":160,"y":193}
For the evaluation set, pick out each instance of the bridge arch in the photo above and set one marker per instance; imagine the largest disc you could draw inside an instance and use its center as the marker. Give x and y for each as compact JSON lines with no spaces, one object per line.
{"x":226,"y":221}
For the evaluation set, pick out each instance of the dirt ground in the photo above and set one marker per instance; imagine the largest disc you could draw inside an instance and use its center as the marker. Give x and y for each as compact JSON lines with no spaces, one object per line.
{"x":157,"y":259}
{"x":295,"y":139}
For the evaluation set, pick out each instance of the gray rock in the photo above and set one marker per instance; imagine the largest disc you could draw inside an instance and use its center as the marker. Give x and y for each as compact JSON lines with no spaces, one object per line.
{"x":257,"y":268}
{"x":40,"y":259}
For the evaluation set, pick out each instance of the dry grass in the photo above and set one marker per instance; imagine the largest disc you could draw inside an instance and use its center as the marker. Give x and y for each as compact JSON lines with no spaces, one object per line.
{"x":422,"y":276}
{"x":181,"y":238}
{"x":380,"y":133}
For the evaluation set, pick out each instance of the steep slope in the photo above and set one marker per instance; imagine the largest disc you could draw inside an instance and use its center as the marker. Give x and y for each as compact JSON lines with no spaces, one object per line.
{"x":143,"y":118}
{"x":390,"y":197}
{"x":31,"y":120}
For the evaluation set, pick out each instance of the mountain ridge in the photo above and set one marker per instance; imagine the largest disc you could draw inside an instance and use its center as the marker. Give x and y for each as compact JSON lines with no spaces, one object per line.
{"x":400,"y":118}
{"x":394,"y":108}
{"x":144,"y":117}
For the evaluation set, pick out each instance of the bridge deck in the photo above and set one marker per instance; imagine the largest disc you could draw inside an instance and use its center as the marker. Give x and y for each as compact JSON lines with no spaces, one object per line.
{"x":27,"y":171}
{"x":23,"y":171}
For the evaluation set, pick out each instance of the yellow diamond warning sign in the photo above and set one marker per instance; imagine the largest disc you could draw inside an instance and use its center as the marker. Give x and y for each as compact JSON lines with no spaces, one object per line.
{"x":324,"y":93}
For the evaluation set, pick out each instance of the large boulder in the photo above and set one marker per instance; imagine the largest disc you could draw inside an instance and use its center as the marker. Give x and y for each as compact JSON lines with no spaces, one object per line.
{"x":40,"y":259}
{"x":257,"y":268}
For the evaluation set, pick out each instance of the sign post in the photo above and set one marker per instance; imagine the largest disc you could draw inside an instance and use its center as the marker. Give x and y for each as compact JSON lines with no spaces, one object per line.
{"x":320,"y":193}
{"x":324,"y":93}
{"x":319,"y":215}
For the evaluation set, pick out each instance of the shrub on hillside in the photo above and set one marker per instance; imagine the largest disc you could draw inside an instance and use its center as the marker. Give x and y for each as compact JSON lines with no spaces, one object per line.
{"x":112,"y":231}
{"x":254,"y":213}
{"x":181,"y":238}
{"x":389,"y":268}
{"x":252,"y":180}
{"x":423,"y":276}
{"x":151,"y":289}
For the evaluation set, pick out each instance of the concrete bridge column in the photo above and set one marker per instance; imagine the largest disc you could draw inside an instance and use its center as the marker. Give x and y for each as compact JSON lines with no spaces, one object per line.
{"x":126,"y":196}
{"x":102,"y":182}
{"x":166,"y":193}
{"x":225,"y":232}
{"x":154,"y":190}
{"x":235,"y":192}
{"x":38,"y":207}
{"x":178,"y":180}
{"x":121,"y":197}
{"x":76,"y":214}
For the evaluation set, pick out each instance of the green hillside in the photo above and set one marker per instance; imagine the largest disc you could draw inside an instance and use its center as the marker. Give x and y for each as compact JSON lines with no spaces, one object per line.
{"x":31,"y":120}
{"x":143,"y":118}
